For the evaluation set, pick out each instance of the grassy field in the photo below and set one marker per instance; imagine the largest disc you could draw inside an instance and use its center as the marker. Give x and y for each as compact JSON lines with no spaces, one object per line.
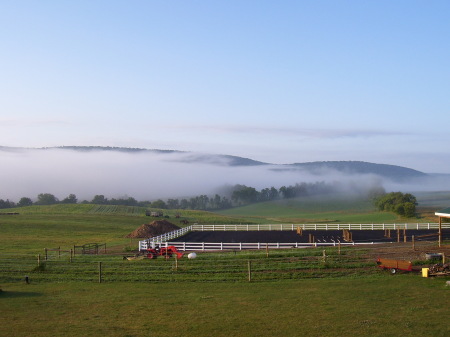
{"x":313,"y":210}
{"x":371,"y":306}
{"x":291,"y":293}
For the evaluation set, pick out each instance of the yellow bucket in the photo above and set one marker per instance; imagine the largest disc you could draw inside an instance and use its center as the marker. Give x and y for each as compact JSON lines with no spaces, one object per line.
{"x":425,"y":272}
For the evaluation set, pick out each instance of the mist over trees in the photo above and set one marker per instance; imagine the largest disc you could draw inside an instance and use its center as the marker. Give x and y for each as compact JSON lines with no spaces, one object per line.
{"x":230,"y":196}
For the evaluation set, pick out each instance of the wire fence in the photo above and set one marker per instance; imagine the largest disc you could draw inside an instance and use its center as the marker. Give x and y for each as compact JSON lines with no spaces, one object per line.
{"x":237,"y":266}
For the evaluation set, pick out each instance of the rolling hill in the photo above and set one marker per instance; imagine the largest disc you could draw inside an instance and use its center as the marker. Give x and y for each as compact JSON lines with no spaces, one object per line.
{"x":320,"y":167}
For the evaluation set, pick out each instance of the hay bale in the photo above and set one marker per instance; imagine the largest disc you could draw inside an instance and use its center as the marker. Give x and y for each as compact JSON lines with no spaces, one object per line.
{"x":155,"y":228}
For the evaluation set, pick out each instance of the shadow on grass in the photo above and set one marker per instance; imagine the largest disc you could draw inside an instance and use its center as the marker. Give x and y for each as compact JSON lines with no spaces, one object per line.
{"x":18,"y":294}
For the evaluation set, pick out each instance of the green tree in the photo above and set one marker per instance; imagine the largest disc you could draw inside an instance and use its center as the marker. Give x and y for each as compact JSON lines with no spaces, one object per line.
{"x":244,"y":195}
{"x":71,"y":199}
{"x":158,"y":204}
{"x":46,"y":199}
{"x":25,"y":202}
{"x":397,"y":202}
{"x":99,"y":199}
{"x":173,"y":203}
{"x":6,"y":203}
{"x":409,"y":209}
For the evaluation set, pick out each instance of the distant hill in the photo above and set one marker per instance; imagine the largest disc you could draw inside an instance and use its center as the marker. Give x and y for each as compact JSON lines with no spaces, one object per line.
{"x":392,"y":172}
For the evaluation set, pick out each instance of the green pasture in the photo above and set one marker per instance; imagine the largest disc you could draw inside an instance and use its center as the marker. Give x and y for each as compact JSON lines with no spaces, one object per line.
{"x":313,"y":210}
{"x":39,"y":227}
{"x":293,"y":292}
{"x":404,"y":305}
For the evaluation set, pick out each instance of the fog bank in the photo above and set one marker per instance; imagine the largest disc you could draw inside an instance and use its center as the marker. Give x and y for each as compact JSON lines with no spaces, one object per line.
{"x":150,"y":176}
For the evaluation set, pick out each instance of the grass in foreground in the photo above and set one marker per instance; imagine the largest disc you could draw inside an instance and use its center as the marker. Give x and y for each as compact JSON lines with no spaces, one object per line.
{"x":372,"y":306}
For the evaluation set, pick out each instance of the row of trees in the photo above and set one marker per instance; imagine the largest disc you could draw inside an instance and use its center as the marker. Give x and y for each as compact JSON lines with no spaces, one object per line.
{"x":242,"y":195}
{"x":50,"y":199}
{"x":42,"y":199}
{"x":237,"y":195}
{"x":397,"y":202}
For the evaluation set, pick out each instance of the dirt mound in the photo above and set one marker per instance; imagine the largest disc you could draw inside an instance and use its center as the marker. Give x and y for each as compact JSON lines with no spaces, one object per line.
{"x":155,"y":228}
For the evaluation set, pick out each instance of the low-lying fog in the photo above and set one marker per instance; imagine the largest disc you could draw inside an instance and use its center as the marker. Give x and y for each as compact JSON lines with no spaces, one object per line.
{"x":150,"y":176}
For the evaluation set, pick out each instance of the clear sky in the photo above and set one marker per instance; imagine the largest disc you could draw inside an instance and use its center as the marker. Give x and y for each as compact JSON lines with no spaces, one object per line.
{"x":276,"y":81}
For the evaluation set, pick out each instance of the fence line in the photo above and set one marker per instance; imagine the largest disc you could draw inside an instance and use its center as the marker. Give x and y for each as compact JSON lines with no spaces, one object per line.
{"x":293,"y":227}
{"x":158,"y":240}
{"x":162,"y":240}
{"x":211,"y":246}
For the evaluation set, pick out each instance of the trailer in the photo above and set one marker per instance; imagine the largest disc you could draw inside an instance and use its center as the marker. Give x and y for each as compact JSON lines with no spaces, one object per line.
{"x":394,"y":265}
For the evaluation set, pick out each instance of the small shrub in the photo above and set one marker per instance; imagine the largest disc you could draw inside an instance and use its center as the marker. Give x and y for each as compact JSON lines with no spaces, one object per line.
{"x":39,"y":268}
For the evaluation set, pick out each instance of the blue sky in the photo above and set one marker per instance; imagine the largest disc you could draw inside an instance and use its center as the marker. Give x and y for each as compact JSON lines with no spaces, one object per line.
{"x":276,"y":81}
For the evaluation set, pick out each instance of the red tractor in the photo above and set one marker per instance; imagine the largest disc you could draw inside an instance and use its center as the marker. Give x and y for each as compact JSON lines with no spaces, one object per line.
{"x":167,"y":252}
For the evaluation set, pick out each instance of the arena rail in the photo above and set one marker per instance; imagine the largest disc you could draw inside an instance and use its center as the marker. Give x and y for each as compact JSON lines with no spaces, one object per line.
{"x":159,"y":240}
{"x":293,"y":227}
{"x":163,"y":239}
{"x":214,"y":246}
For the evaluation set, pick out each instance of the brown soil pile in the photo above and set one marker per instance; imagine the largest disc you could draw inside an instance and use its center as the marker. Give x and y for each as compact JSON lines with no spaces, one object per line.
{"x":153,"y":229}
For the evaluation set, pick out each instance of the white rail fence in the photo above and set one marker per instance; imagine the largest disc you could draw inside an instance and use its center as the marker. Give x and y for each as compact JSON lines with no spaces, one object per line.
{"x":293,"y":227}
{"x":214,"y":246}
{"x":163,"y":240}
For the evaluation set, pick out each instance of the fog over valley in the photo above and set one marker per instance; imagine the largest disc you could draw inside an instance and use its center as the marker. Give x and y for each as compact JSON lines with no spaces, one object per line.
{"x":149,"y":175}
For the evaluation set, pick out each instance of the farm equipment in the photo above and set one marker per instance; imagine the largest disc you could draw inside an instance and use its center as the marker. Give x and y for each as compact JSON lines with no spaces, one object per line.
{"x":167,"y":252}
{"x":394,"y":265}
{"x":439,"y":269}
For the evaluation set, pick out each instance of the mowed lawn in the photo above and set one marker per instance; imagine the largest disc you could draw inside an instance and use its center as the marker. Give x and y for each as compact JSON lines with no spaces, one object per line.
{"x":384,"y":305}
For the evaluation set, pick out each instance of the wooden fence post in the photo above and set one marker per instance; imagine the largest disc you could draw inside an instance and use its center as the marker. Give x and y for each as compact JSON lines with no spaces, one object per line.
{"x":267,"y":249}
{"x":413,"y":243}
{"x":440,"y":231}
{"x":46,"y":257}
{"x":39,"y":260}
{"x":249,"y":271}
{"x":339,"y":247}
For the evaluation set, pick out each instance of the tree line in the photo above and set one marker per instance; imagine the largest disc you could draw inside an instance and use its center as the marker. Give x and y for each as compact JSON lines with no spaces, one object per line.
{"x":237,"y":195}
